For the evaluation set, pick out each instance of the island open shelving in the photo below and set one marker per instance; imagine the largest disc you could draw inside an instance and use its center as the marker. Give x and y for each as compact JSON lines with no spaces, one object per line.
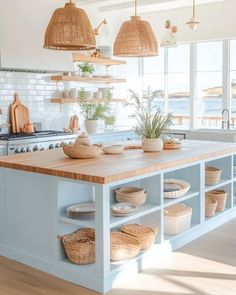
{"x":58,"y":182}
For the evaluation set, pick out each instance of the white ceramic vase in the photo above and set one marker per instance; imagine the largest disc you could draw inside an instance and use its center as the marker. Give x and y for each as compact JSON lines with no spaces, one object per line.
{"x":85,"y":74}
{"x":91,"y":126}
{"x":152,"y":144}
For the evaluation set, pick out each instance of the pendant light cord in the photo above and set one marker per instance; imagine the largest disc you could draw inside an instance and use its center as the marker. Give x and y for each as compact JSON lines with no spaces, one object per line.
{"x":135,"y":7}
{"x":193,"y":8}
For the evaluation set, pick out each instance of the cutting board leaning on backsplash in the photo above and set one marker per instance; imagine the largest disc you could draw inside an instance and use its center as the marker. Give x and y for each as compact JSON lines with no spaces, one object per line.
{"x":19,"y":115}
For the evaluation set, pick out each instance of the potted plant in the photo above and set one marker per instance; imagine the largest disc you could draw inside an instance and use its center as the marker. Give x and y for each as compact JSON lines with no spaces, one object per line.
{"x":86,"y":68}
{"x":93,"y":112}
{"x":151,"y":123}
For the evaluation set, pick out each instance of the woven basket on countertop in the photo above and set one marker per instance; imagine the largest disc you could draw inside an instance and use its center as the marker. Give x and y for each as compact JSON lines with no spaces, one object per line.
{"x":123,"y":246}
{"x":220,"y":197}
{"x":80,"y":246}
{"x":210,"y":207}
{"x":82,"y":151}
{"x":212,"y":175}
{"x":144,"y":234}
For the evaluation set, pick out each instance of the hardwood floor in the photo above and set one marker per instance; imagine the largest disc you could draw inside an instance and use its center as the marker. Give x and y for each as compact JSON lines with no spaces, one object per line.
{"x":207,"y":266}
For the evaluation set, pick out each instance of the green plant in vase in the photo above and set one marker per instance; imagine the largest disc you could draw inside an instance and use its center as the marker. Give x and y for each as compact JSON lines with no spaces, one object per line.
{"x":86,"y":68}
{"x":92,"y":111}
{"x":151,"y":123}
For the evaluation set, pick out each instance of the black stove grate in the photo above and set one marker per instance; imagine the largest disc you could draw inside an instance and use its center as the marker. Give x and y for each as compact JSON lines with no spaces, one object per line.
{"x":37,"y":134}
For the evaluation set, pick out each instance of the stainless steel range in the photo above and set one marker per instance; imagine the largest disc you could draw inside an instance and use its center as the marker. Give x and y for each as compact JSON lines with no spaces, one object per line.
{"x":37,"y":141}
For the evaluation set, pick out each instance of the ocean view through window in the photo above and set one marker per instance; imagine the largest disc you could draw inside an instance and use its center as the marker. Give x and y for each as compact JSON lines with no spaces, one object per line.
{"x":195,"y":99}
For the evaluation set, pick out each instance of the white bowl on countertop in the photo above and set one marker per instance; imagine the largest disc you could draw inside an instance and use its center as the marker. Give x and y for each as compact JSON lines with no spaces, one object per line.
{"x":113,"y":149}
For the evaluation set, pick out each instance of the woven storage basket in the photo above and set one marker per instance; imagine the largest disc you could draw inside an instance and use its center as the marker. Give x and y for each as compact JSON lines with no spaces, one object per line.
{"x":212,"y":175}
{"x":220,"y":197}
{"x":80,"y":246}
{"x":123,"y":246}
{"x":184,"y":187}
{"x":210,"y":207}
{"x":144,"y":234}
{"x":133,"y":195}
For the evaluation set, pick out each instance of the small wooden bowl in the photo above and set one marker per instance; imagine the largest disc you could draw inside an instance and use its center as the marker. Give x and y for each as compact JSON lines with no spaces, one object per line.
{"x":82,"y":152}
{"x":172,"y":146}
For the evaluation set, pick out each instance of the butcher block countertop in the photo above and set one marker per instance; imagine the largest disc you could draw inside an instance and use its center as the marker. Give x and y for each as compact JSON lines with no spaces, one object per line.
{"x":110,"y":168}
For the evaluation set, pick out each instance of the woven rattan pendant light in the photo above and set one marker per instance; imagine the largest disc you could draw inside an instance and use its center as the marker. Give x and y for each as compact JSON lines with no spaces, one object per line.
{"x":136,"y":38}
{"x":69,"y":29}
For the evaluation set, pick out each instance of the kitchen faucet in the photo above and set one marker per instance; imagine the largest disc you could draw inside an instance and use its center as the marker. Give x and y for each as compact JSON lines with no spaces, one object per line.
{"x":225,"y":119}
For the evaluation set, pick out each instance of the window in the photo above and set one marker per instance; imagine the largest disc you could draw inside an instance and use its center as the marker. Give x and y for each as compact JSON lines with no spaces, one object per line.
{"x":178,"y":84}
{"x":209,"y":88}
{"x":233,"y":79}
{"x":212,"y":82}
{"x":169,"y":74}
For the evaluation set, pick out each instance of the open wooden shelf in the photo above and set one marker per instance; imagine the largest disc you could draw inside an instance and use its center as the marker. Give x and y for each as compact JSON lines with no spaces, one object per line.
{"x":87,"y":79}
{"x":97,"y":60}
{"x":76,"y":100}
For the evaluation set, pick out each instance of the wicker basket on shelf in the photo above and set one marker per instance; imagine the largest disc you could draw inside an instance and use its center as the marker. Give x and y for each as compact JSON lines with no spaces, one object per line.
{"x":123,"y":246}
{"x":212,"y":175}
{"x":220,"y":197}
{"x":144,"y":234}
{"x":80,"y":246}
{"x":210,"y":207}
{"x":133,"y":195}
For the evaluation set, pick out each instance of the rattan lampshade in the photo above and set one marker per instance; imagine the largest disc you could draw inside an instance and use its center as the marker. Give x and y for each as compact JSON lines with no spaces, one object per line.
{"x":69,"y":29}
{"x":136,"y":39}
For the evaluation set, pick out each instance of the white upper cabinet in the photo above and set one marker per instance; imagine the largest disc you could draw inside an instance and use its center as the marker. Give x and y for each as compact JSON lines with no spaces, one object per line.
{"x":22,"y":27}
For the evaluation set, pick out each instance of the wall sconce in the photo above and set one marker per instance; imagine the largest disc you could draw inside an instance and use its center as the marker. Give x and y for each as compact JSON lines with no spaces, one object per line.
{"x":169,"y":39}
{"x":96,"y":31}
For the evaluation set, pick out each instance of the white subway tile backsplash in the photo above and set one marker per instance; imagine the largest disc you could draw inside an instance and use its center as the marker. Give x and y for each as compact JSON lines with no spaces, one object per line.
{"x":35,"y":91}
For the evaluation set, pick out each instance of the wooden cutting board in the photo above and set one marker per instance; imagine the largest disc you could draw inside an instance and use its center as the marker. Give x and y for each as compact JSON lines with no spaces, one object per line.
{"x":12,"y":108}
{"x":21,"y":116}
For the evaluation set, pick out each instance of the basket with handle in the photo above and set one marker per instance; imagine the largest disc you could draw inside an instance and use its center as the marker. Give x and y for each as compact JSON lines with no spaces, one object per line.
{"x":80,"y":246}
{"x":220,"y":196}
{"x":123,"y":246}
{"x":144,"y":234}
{"x":212,"y":175}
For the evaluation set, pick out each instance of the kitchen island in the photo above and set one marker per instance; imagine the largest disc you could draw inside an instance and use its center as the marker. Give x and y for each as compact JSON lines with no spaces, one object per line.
{"x":36,"y":188}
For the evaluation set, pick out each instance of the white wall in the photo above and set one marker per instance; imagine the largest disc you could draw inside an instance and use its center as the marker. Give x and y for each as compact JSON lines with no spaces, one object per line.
{"x":217,"y":21}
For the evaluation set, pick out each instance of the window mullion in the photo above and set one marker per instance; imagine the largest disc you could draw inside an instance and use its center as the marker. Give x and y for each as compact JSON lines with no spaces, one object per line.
{"x":226,"y":103}
{"x":193,"y":86}
{"x":166,"y":80}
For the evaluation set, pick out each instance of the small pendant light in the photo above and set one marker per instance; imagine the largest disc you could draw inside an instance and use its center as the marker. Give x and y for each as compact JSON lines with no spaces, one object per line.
{"x":136,"y":39}
{"x":193,"y":23}
{"x":69,"y":29}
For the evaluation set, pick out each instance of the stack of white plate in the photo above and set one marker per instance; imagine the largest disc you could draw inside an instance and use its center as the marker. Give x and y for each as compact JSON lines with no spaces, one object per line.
{"x":81,"y":211}
{"x":106,"y":51}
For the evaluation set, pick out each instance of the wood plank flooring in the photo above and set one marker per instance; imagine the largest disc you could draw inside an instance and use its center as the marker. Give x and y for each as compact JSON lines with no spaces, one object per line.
{"x":207,"y":266}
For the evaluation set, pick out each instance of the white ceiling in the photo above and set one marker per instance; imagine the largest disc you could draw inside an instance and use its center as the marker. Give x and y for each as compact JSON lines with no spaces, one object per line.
{"x":143,"y":5}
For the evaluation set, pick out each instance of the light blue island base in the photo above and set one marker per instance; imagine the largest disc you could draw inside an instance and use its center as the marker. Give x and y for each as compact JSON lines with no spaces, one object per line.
{"x":32,"y":214}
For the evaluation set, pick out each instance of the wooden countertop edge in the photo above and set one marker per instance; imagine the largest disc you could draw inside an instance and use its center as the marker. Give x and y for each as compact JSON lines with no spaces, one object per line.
{"x":120,"y":176}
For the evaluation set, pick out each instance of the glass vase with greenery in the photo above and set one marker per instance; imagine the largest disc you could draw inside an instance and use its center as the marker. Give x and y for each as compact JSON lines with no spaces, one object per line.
{"x":150,"y":121}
